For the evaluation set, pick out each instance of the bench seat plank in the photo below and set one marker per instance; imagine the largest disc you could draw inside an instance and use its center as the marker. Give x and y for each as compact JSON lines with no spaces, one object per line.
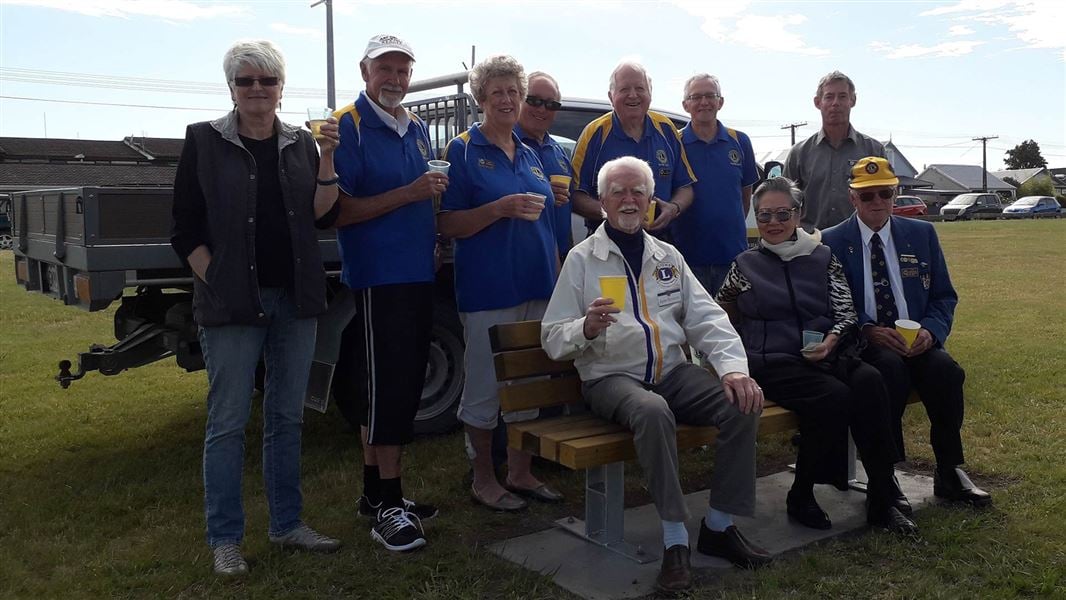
{"x":541,"y":393}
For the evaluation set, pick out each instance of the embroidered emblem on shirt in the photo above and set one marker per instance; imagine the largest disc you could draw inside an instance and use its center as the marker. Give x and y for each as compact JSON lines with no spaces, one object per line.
{"x":871,"y":168}
{"x":661,"y":155}
{"x":537,"y":172}
{"x":485,"y":163}
{"x":422,"y":148}
{"x":562,"y":165}
{"x":734,"y":157}
{"x":665,"y":273}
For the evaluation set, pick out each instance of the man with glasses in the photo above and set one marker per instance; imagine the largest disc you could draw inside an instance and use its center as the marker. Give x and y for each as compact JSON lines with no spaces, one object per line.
{"x":714,"y":232}
{"x":535,"y":118}
{"x":633,"y":130}
{"x":387,"y":234}
{"x":820,"y":164}
{"x":896,"y":270}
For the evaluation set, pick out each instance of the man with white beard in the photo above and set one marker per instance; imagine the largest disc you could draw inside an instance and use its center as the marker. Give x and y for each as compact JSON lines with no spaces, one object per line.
{"x":387,"y":234}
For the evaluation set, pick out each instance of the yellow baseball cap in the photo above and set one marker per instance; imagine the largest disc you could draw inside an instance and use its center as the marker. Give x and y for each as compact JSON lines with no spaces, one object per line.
{"x":872,"y":171}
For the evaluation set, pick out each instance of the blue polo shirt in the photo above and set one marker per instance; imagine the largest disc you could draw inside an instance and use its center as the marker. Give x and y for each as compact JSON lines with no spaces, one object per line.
{"x":513,"y":260}
{"x":713,"y":230}
{"x":396,"y":247}
{"x":555,"y":162}
{"x":604,"y":140}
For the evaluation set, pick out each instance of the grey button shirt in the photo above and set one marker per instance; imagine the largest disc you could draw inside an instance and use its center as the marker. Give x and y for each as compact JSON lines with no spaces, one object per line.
{"x":822,"y":172}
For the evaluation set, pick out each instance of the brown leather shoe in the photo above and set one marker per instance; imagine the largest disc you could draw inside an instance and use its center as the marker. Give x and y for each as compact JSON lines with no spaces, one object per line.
{"x":676,"y":572}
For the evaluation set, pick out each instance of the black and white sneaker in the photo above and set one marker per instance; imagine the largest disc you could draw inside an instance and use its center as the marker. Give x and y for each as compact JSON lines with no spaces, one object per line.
{"x":424,"y":512}
{"x":398,"y":530}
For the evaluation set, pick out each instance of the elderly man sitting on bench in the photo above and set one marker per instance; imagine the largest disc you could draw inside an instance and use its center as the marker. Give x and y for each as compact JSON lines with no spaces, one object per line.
{"x":627,"y":343}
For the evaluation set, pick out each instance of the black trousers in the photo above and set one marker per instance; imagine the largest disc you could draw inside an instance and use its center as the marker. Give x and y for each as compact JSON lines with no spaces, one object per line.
{"x":938,"y":379}
{"x":827,"y":405}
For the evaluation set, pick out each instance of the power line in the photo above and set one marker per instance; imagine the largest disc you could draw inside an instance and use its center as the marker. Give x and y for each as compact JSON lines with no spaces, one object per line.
{"x":122,"y":105}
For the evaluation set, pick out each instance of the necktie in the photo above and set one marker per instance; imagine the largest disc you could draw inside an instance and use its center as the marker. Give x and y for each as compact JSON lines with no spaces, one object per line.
{"x":886,"y":302}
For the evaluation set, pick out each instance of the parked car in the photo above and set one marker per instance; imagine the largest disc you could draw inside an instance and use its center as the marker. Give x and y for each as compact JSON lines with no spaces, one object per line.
{"x":965,"y":206}
{"x":1033,"y":205}
{"x":908,"y":206}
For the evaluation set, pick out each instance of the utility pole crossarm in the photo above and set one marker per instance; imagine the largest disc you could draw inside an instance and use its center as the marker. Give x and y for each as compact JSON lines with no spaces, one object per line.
{"x":793,"y":127}
{"x":984,"y":159}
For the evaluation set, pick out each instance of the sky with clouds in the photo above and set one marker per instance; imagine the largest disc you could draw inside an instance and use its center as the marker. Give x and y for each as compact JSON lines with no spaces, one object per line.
{"x":930,"y":75}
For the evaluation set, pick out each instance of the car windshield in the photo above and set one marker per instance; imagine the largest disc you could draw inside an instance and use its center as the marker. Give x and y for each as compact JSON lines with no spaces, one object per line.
{"x":964,"y":200}
{"x":1030,"y":201}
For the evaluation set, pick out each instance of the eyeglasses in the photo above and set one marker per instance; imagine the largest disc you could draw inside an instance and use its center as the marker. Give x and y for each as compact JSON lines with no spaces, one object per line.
{"x":882,"y":194}
{"x":780,"y":215}
{"x":551,"y":105}
{"x":249,"y":81}
{"x":700,"y":97}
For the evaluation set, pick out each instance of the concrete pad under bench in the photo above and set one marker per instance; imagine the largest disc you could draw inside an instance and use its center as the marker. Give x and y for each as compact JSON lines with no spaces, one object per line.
{"x":593,"y":572}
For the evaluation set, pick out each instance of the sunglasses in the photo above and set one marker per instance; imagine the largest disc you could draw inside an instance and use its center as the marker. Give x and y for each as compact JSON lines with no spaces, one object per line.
{"x":551,"y":105}
{"x":780,"y":215}
{"x":882,"y":194}
{"x":249,"y":81}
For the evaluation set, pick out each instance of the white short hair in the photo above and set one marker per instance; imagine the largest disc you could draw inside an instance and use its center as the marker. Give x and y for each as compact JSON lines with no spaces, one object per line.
{"x":698,"y":77}
{"x":631,"y":65}
{"x":261,"y":54}
{"x":625,"y":162}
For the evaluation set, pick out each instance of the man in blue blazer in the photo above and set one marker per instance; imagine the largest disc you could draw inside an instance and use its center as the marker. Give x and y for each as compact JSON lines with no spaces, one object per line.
{"x":896,"y":270}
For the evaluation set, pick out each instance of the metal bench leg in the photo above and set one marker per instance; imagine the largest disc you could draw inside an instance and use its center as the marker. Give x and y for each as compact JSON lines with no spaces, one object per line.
{"x":605,"y":513}
{"x":853,"y":483}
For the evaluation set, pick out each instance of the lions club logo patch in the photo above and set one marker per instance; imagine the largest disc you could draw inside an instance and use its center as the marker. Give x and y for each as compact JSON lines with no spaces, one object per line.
{"x":661,"y":155}
{"x":665,"y":273}
{"x":537,"y":172}
{"x":422,"y":148}
{"x":871,"y":168}
{"x":734,"y":157}
{"x":485,"y":163}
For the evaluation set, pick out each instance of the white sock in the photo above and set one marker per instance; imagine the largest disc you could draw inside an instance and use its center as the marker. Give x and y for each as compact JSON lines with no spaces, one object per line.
{"x":717,"y":520}
{"x":674,"y":534}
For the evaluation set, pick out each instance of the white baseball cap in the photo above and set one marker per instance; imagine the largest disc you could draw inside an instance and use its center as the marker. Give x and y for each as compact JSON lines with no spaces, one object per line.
{"x":384,"y":43}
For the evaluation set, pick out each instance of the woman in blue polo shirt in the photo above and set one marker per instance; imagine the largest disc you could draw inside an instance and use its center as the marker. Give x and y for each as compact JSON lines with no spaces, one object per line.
{"x":505,"y":263}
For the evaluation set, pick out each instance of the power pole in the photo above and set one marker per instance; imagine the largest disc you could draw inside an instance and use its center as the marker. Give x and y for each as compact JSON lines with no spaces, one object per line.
{"x":331,"y":90}
{"x":793,"y":127}
{"x":984,"y":159}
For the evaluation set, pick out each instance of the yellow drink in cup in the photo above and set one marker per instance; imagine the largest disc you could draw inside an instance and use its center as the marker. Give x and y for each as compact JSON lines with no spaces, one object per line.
{"x":563,"y":180}
{"x":908,"y":329}
{"x":649,"y":218}
{"x":316,"y":118}
{"x":614,"y":287}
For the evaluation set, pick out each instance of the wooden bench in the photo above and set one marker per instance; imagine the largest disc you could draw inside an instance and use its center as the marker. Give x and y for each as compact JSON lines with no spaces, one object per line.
{"x":582,"y":440}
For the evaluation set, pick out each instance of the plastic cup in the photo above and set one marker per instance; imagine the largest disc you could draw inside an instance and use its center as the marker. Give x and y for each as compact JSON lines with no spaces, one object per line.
{"x":812,"y":338}
{"x":439,"y":166}
{"x":908,"y":329}
{"x":563,"y":180}
{"x":649,"y":217}
{"x":538,"y":200}
{"x":316,"y":117}
{"x":614,"y":287}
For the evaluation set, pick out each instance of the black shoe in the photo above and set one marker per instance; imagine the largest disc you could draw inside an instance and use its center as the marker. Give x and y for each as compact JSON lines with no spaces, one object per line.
{"x":398,"y":530}
{"x":675,"y":575}
{"x":806,"y":512}
{"x":891,"y":519}
{"x":424,"y":512}
{"x":955,"y":486}
{"x":732,"y":546}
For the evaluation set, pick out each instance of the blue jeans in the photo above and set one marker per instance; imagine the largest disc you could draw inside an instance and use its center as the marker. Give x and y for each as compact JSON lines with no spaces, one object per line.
{"x":231,"y":353}
{"x":711,"y":276}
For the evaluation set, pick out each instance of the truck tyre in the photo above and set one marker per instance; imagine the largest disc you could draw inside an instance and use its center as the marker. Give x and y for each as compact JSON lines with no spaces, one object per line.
{"x":444,"y":372}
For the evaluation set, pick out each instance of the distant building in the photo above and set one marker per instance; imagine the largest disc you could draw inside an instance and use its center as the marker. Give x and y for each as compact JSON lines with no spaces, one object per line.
{"x":1022,"y":175}
{"x":1058,"y":179}
{"x":34,"y":163}
{"x":949,"y":181}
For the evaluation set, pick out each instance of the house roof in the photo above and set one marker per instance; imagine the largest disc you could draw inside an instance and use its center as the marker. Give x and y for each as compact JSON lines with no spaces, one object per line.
{"x":967,"y":176}
{"x":1019,"y":175}
{"x":24,"y":176}
{"x":900,"y":164}
{"x":61,"y":149}
{"x":157,"y":148}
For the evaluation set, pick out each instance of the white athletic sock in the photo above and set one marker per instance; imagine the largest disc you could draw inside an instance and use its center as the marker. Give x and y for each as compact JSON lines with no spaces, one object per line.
{"x":674,"y":533}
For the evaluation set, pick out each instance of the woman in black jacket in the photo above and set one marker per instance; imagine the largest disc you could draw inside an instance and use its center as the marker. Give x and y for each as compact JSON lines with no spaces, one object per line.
{"x":247,"y":194}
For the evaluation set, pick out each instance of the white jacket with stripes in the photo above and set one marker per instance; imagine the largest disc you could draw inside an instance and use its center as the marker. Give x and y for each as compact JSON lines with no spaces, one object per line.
{"x":665,"y":310}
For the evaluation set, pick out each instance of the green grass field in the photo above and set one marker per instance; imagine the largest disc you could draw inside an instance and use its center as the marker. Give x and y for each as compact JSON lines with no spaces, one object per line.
{"x":100,"y":490}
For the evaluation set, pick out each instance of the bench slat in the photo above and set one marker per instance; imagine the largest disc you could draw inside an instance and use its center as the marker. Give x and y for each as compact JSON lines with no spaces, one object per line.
{"x":541,"y":393}
{"x":549,"y":442}
{"x":522,"y":335}
{"x":528,"y":363}
{"x":525,"y":435}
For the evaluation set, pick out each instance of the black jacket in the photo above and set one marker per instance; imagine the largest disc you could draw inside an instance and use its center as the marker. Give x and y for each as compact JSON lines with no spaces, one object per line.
{"x":214,"y":205}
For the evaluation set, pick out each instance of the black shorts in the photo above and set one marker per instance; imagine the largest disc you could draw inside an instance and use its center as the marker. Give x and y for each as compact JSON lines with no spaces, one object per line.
{"x":382,"y":362}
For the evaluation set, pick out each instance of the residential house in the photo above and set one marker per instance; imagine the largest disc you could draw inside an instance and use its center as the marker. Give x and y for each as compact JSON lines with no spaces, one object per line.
{"x":949,"y":181}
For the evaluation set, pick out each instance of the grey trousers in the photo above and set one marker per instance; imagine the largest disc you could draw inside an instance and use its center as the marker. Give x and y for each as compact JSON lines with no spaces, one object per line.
{"x":692,"y":396}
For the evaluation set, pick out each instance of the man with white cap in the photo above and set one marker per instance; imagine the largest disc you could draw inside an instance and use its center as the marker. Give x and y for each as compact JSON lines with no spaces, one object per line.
{"x":387,"y":235}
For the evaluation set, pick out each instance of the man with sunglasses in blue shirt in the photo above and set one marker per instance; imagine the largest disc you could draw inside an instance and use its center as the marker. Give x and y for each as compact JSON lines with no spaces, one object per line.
{"x":896,"y":270}
{"x":535,"y":118}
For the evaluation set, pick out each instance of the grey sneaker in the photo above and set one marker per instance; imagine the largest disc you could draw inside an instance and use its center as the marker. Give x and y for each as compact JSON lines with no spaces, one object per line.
{"x":228,"y":560}
{"x":305,"y":538}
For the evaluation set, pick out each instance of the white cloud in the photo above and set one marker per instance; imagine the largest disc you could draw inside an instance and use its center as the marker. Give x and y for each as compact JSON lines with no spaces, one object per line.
{"x":946,"y":49}
{"x":728,"y":22}
{"x":175,"y":10}
{"x":1037,"y":23}
{"x":955,"y":30}
{"x":299,"y":31}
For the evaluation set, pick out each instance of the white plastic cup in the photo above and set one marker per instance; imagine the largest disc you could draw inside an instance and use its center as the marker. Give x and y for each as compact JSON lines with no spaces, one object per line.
{"x":439,"y":166}
{"x":908,"y":329}
{"x":538,"y":200}
{"x":316,"y":117}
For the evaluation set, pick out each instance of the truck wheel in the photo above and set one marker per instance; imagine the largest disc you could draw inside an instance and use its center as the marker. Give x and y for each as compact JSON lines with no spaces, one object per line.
{"x":6,"y":241}
{"x":444,"y":372}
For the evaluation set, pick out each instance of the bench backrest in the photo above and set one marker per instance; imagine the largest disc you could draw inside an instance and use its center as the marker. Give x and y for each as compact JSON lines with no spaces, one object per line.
{"x":534,"y":380}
